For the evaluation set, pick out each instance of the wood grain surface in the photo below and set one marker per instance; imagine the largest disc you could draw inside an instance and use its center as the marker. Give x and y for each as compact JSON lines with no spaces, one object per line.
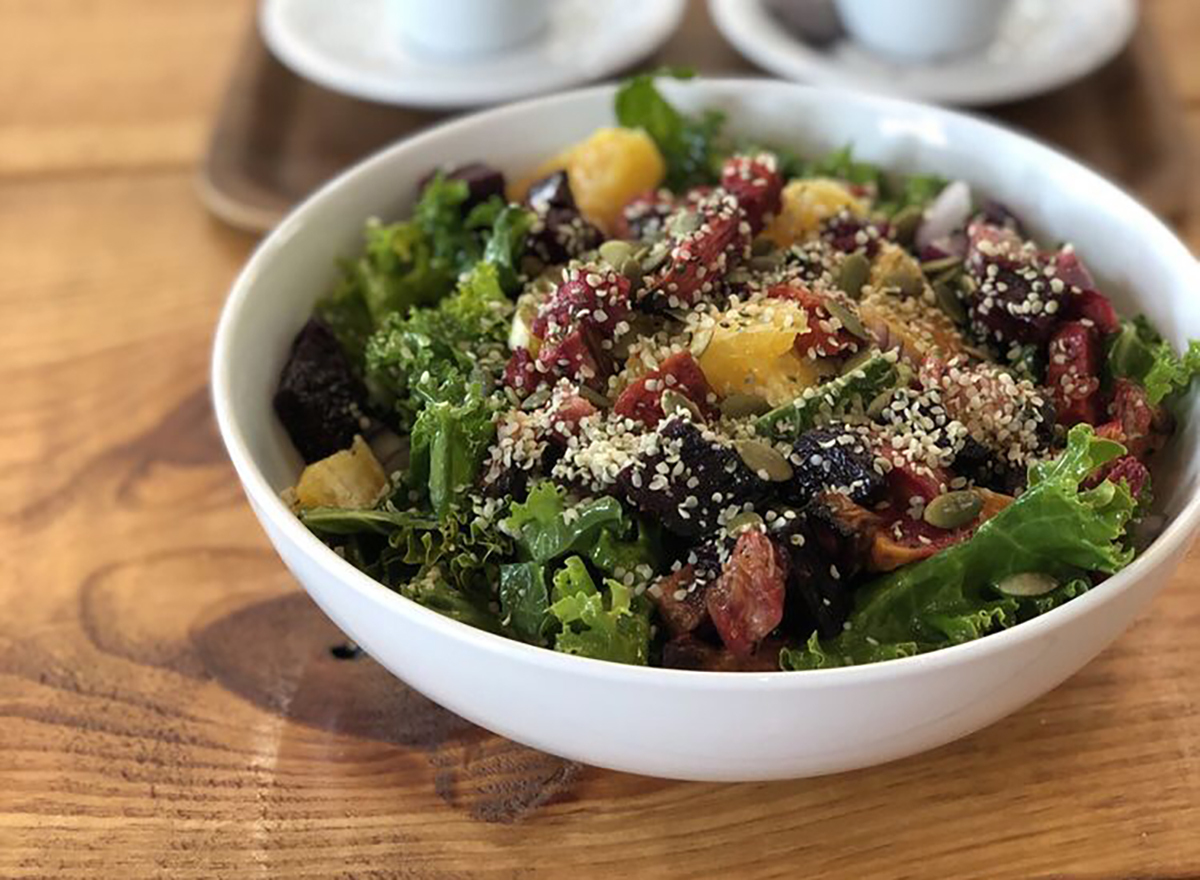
{"x":170,"y":705}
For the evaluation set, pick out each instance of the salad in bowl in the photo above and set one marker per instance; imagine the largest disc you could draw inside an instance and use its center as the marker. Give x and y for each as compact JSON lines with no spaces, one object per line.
{"x":681,"y":399}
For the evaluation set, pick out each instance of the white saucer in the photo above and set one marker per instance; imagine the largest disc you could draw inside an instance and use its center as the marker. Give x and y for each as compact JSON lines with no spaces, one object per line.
{"x":1042,"y":45}
{"x":348,"y":47}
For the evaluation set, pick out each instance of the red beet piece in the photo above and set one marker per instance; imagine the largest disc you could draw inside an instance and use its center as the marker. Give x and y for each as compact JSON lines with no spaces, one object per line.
{"x":746,"y":601}
{"x":642,"y":399}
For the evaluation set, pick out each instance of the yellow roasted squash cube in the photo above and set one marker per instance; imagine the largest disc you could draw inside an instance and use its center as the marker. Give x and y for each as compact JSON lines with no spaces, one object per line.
{"x":350,"y":478}
{"x":805,"y":203}
{"x":606,"y":171}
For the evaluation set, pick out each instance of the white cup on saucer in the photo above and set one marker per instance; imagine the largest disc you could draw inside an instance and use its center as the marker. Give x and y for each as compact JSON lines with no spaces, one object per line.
{"x":922,"y":30}
{"x":468,"y":27}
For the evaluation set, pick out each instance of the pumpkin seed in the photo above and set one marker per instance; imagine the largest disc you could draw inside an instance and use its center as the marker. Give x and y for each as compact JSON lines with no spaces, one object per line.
{"x":763,"y":458}
{"x":760,"y":247}
{"x":905,"y":223}
{"x":673,"y":403}
{"x":700,"y":340}
{"x":744,"y":521}
{"x":616,"y":252}
{"x":879,"y":403}
{"x":631,"y":268}
{"x":853,"y":274}
{"x":1027,"y":583}
{"x":934,"y":267}
{"x":594,"y":397}
{"x":656,"y":257}
{"x":949,"y":303}
{"x":536,"y":399}
{"x":765,"y":262}
{"x":953,"y":509}
{"x":967,"y":284}
{"x":679,"y":225}
{"x":905,"y":282}
{"x":680,"y":315}
{"x":739,"y":406}
{"x":848,"y":319}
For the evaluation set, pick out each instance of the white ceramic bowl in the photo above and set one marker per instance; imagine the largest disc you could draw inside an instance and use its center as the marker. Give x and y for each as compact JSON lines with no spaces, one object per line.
{"x":701,"y":725}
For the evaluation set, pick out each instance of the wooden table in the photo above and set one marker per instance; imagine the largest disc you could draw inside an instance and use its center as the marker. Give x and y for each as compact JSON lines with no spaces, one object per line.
{"x":169,"y":706}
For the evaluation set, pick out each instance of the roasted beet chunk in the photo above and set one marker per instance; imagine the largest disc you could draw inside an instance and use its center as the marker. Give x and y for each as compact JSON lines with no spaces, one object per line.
{"x":560,"y":232}
{"x":746,"y":601}
{"x":319,"y":399}
{"x":643,"y":217}
{"x":1073,"y":373}
{"x":832,"y":458}
{"x":1017,"y":299}
{"x":981,"y":466}
{"x":1126,"y":469}
{"x":849,"y":233}
{"x":1134,"y":422}
{"x":689,"y":652}
{"x":827,"y":543}
{"x":575,"y":323}
{"x":708,"y":240}
{"x":691,"y":478}
{"x":756,"y":184}
{"x":522,"y":374}
{"x":483,"y":182}
{"x":642,"y":399}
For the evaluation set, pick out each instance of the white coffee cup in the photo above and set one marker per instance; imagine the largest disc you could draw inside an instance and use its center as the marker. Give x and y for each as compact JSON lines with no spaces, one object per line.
{"x":921,"y":30}
{"x":468,"y":27}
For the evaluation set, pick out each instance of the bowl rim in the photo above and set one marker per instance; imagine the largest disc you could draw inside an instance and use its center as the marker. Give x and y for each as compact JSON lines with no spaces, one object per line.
{"x":268,"y":505}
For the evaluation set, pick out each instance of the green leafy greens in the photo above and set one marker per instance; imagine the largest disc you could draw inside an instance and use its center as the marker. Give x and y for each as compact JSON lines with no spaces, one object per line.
{"x":546,"y":527}
{"x":1140,"y":353}
{"x":1054,"y":527}
{"x":690,"y":145}
{"x":416,"y":262}
{"x":446,"y":563}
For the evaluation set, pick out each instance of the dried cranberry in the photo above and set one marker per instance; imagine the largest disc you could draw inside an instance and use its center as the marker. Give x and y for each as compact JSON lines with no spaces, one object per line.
{"x":756,"y":184}
{"x":1073,"y":374}
{"x":642,"y":399}
{"x":746,"y":601}
{"x":576,"y":356}
{"x":591,"y":296}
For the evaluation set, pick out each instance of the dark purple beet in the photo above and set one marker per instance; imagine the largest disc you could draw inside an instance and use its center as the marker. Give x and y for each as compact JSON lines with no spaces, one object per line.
{"x":819,"y":541}
{"x":827,"y":458}
{"x":560,"y":232}
{"x":483,"y":182}
{"x":319,"y":399}
{"x":847,"y":233}
{"x":717,"y":476}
